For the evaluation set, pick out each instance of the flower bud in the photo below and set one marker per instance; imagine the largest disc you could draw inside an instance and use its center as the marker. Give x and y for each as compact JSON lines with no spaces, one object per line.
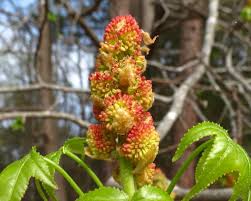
{"x":145,"y":177}
{"x":141,"y":145}
{"x":123,"y":28}
{"x":102,"y":85}
{"x":160,"y":180}
{"x":142,"y":92}
{"x":121,"y":113}
{"x":100,"y":143}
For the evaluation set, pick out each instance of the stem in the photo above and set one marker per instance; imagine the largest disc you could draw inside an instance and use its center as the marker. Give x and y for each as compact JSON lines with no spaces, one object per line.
{"x":126,"y":176}
{"x":185,"y":165}
{"x":51,"y":195}
{"x":65,"y":175}
{"x":40,"y":190}
{"x":85,"y":166}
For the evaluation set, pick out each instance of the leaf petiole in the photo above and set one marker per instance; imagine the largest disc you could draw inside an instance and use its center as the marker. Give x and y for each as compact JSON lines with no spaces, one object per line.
{"x":84,"y":166}
{"x":185,"y":165}
{"x":65,"y":175}
{"x":40,"y":190}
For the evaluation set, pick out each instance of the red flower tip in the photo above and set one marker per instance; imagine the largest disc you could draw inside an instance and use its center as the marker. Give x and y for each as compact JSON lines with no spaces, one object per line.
{"x":141,"y":145}
{"x":100,"y":144}
{"x":142,"y":92}
{"x":123,"y":27}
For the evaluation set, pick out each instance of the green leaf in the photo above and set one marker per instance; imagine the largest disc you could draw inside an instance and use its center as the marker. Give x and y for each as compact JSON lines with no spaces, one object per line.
{"x":246,"y":13}
{"x":221,"y":157}
{"x":151,"y":193}
{"x":75,"y":145}
{"x":52,"y":17}
{"x":14,"y":179}
{"x":18,"y":124}
{"x":55,"y":156}
{"x":105,"y":194}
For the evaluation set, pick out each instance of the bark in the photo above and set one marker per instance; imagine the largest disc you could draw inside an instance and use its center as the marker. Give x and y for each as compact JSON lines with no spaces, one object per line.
{"x":191,"y":42}
{"x":142,"y":10}
{"x":45,"y":73}
{"x":119,"y":7}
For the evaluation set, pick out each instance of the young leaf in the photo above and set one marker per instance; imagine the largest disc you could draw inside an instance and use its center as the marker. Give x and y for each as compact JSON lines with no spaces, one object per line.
{"x":151,"y":193}
{"x":14,"y":179}
{"x":75,"y":145}
{"x":18,"y":124}
{"x":55,"y":156}
{"x":52,"y":17}
{"x":221,"y":157}
{"x":105,"y":194}
{"x":246,"y":13}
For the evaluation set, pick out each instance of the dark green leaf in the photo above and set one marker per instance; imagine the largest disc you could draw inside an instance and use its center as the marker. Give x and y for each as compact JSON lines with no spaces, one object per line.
{"x":105,"y":194}
{"x":151,"y":193}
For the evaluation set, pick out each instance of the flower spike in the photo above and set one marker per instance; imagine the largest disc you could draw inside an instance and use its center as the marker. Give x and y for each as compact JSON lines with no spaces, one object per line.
{"x":121,"y":97}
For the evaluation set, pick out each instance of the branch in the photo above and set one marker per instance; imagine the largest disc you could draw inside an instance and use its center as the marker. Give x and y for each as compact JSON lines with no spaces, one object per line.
{"x":222,"y":194}
{"x":39,"y":86}
{"x":82,"y":23}
{"x":43,"y":85}
{"x":89,"y":10}
{"x":176,"y":69}
{"x":181,"y":93}
{"x":234,"y":73}
{"x":45,"y":114}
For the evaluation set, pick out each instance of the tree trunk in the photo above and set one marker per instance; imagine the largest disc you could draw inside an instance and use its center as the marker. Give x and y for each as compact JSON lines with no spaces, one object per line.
{"x":48,"y":130}
{"x":45,"y":73}
{"x":191,"y":41}
{"x":142,"y":10}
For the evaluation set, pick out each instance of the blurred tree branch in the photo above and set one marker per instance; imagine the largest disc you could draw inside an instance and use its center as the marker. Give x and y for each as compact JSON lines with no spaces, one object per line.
{"x":81,"y":21}
{"x":181,"y":93}
{"x":44,"y":114}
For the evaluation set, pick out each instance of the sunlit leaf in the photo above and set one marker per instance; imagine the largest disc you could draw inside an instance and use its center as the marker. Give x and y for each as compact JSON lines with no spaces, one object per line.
{"x":151,"y":193}
{"x":221,"y":157}
{"x":15,"y":178}
{"x":105,"y":194}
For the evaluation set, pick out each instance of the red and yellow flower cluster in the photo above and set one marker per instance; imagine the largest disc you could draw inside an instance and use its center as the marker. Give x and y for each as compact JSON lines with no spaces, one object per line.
{"x":121,"y":97}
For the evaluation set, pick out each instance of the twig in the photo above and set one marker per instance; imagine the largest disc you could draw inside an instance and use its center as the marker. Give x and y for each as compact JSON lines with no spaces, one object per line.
{"x":182,"y":92}
{"x":176,"y":69}
{"x":43,"y":85}
{"x":39,"y":86}
{"x":81,"y":22}
{"x":89,"y":10}
{"x":234,"y":73}
{"x":45,"y":114}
